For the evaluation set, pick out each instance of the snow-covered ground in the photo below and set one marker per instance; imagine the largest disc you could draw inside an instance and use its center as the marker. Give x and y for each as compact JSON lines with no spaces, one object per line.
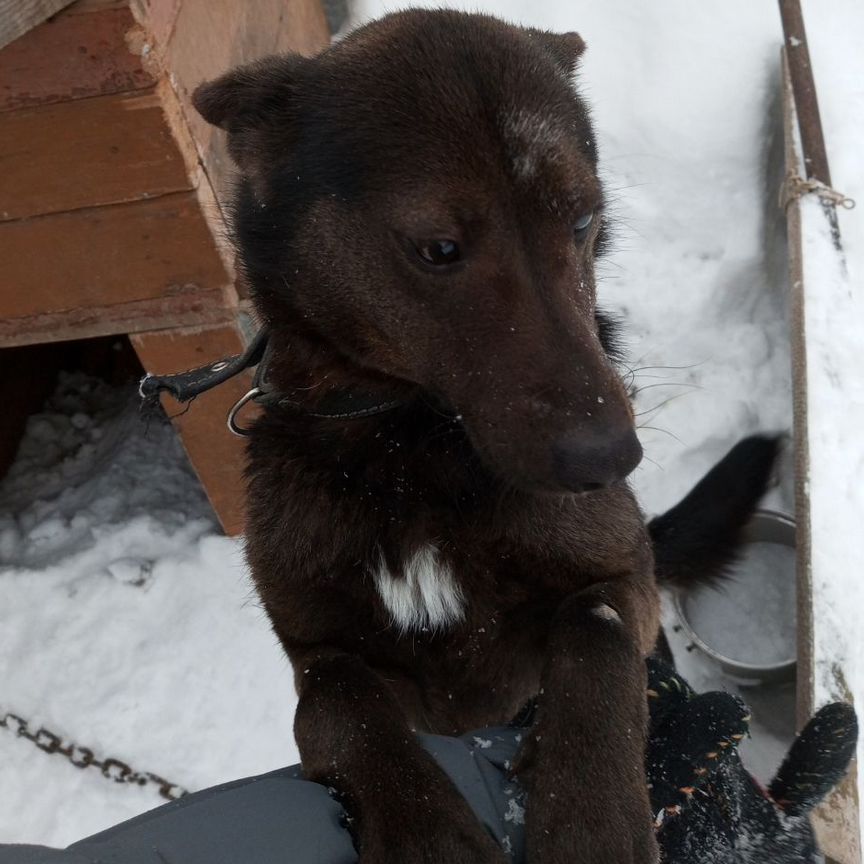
{"x":129,"y":625}
{"x":834,"y":324}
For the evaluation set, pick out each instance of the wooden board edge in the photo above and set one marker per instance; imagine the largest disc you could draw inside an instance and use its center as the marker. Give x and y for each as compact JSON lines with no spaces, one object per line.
{"x":138,"y":173}
{"x":17,"y":17}
{"x":205,"y":308}
{"x":87,"y":7}
{"x":217,"y":456}
{"x":214,"y":215}
{"x":72,"y":57}
{"x":805,"y":676}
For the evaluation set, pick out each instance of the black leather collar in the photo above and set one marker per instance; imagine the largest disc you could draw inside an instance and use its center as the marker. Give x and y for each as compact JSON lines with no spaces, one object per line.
{"x":185,"y":386}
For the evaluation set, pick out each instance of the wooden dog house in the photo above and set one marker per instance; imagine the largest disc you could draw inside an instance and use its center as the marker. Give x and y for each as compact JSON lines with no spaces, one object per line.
{"x":110,"y":191}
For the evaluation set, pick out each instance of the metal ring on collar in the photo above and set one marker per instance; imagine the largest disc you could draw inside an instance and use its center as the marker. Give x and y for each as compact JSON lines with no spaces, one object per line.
{"x":234,"y":428}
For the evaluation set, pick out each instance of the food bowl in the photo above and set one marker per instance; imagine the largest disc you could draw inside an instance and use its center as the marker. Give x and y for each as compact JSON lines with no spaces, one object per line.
{"x":747,"y":624}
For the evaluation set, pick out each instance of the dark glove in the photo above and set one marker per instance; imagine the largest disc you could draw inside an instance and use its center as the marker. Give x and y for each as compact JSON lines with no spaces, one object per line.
{"x":708,"y":807}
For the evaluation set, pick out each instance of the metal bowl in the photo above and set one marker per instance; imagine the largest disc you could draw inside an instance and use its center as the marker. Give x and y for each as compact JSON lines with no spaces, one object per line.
{"x":766,"y":526}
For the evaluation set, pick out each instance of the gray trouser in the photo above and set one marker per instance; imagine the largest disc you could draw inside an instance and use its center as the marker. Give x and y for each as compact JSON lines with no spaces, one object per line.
{"x":280,"y":818}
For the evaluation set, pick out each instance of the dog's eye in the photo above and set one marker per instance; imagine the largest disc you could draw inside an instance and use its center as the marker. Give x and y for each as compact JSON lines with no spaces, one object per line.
{"x":439,"y":253}
{"x":580,"y":229}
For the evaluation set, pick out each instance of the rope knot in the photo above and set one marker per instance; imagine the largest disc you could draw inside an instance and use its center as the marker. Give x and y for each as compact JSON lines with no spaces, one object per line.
{"x":794,"y":187}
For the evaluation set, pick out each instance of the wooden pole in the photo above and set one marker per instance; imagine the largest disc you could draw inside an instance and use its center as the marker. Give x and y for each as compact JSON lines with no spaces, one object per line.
{"x":804,"y":88}
{"x":809,"y":121}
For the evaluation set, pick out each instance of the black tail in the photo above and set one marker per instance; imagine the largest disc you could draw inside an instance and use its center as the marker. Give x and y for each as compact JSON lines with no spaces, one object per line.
{"x":699,"y":537}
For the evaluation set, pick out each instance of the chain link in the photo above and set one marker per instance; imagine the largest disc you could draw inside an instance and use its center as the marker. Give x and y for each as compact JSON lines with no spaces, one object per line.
{"x":83,"y":757}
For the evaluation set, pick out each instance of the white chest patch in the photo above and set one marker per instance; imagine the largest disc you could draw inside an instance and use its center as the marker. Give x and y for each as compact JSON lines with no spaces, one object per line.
{"x":427,"y":596}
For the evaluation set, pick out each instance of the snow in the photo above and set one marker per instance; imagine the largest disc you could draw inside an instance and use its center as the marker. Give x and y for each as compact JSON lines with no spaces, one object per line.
{"x":515,"y":812}
{"x":834,"y":321}
{"x":129,"y":623}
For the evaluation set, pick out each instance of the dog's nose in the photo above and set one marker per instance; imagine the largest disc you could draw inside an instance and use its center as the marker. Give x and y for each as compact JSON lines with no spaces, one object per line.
{"x":584,"y":461}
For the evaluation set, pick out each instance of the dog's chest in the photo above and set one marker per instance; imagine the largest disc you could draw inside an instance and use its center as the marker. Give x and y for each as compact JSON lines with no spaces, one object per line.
{"x":425,"y":596}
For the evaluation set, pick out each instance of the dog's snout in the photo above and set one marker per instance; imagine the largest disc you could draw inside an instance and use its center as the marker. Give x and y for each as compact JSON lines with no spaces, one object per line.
{"x":587,"y":461}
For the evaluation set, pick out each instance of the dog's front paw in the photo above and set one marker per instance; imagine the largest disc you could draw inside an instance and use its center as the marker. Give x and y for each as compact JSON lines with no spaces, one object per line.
{"x":600,"y":828}
{"x":585,"y":805}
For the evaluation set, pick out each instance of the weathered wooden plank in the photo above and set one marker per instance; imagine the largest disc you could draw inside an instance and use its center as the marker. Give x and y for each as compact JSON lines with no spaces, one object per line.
{"x":71,"y":57}
{"x":104,"y":256}
{"x":195,"y":309}
{"x":98,"y":151}
{"x":19,"y":16}
{"x":804,"y":668}
{"x":215,"y":453}
{"x":85,"y":7}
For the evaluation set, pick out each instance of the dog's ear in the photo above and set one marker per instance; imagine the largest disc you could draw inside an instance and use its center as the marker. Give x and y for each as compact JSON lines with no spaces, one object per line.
{"x":565,"y":48}
{"x":249,"y":94}
{"x":249,"y":100}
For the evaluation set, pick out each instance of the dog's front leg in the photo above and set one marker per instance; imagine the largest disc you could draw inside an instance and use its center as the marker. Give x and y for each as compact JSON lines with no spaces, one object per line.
{"x":583,"y":760}
{"x":353,"y":735}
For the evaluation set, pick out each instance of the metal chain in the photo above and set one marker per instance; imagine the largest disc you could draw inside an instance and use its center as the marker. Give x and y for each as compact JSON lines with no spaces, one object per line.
{"x":83,"y":757}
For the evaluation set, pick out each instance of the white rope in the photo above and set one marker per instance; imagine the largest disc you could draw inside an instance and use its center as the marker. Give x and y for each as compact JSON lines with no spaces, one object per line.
{"x":794,"y":187}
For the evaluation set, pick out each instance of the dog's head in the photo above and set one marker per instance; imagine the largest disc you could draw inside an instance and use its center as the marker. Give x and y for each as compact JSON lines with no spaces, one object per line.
{"x":422,"y":198}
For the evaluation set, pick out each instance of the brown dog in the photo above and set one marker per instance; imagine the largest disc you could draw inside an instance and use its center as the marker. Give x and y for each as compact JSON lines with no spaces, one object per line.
{"x":439,"y":526}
